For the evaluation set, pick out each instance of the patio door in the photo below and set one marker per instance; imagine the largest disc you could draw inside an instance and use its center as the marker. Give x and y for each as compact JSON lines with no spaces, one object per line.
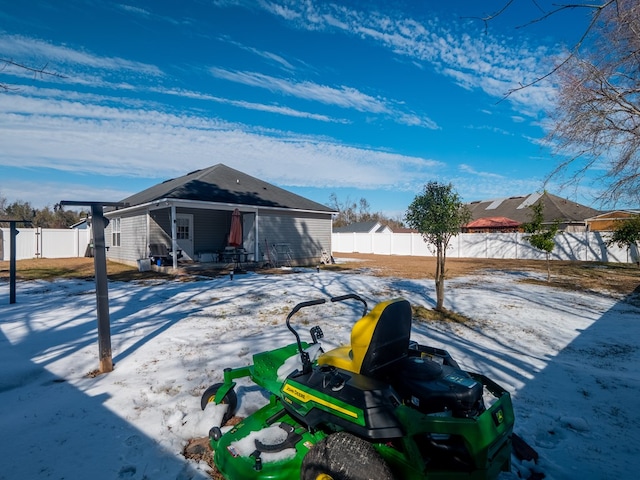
{"x":184,"y":234}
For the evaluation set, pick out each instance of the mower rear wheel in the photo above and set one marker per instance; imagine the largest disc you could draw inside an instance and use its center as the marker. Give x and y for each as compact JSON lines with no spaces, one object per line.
{"x":342,"y":456}
{"x":230,"y":399}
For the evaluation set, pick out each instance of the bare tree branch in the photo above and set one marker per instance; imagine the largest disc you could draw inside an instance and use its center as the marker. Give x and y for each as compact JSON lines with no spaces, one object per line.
{"x":597,"y":116}
{"x":598,"y":8}
{"x":492,"y":16}
{"x":42,"y":71}
{"x":596,"y":119}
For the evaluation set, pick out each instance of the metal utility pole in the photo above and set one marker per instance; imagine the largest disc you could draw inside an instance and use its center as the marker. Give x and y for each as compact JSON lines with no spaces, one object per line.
{"x":98,"y":224}
{"x":13,"y":232}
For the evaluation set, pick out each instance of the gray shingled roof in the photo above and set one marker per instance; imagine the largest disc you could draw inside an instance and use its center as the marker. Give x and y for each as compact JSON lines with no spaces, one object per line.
{"x":222,"y":184}
{"x":516,"y":208}
{"x":358,"y":227}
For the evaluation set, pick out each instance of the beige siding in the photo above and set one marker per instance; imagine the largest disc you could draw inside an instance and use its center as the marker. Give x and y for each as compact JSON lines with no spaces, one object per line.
{"x":133,"y":236}
{"x":307,"y":234}
{"x":608,"y":221}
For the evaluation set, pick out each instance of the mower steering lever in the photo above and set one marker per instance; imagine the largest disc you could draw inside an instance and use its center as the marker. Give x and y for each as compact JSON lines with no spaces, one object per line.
{"x":304,"y":356}
{"x":348,"y":296}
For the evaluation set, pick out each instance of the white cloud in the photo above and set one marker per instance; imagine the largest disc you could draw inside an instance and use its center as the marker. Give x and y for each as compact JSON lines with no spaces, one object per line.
{"x":492,"y":64}
{"x":271,"y":57}
{"x":48,"y":193}
{"x":251,"y":105}
{"x":85,"y":137}
{"x":470,"y":170}
{"x":29,"y":50}
{"x":344,"y":97}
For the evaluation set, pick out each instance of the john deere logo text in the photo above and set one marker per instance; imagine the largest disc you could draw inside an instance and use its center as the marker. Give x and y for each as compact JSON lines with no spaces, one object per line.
{"x":302,"y":396}
{"x":305,"y":397}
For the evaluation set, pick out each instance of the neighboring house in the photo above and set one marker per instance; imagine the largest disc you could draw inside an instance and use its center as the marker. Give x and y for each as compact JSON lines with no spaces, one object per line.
{"x":515,"y":210}
{"x":193,"y":213}
{"x":81,"y":225}
{"x":364,"y":227}
{"x":404,"y":230}
{"x":607,"y":221}
{"x":492,"y":225}
{"x":85,"y":225}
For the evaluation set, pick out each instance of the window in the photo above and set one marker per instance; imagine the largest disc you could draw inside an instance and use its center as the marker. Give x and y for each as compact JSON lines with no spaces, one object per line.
{"x":182,"y":228}
{"x":115,"y":232}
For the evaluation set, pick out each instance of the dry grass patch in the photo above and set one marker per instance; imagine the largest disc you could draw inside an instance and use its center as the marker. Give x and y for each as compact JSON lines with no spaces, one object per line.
{"x":616,"y":278}
{"x":424,"y":314}
{"x":619,"y":278}
{"x":54,"y":268}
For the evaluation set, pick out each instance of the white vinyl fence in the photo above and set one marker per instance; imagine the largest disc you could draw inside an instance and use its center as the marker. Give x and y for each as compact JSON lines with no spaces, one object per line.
{"x":584,"y":246}
{"x":45,"y":243}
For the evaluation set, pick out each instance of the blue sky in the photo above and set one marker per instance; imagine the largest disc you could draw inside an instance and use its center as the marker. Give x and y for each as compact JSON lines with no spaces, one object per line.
{"x":364,"y":99}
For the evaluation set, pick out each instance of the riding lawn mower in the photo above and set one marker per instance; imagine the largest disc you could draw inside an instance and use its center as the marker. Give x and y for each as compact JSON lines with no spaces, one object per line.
{"x":383,"y":407}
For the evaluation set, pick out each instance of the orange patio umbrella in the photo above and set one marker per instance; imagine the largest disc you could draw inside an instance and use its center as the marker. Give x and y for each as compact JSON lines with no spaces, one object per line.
{"x":235,"y":233}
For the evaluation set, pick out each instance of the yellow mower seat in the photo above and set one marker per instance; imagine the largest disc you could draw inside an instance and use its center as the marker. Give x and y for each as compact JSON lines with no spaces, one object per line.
{"x":378,"y":339}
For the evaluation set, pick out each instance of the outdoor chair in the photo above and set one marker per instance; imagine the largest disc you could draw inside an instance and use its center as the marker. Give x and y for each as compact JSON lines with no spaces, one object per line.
{"x":160,"y":253}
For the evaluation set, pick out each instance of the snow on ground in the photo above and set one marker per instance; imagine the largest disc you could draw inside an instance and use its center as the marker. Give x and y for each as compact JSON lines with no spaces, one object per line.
{"x":569,"y":359}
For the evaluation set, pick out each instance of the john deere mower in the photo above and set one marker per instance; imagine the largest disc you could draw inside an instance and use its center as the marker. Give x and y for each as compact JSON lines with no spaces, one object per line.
{"x":383,"y":407}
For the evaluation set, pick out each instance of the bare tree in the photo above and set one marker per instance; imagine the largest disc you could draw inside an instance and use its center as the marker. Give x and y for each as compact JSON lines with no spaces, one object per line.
{"x":595,"y":125}
{"x":596,"y":121}
{"x":351,"y":212}
{"x":597,"y":8}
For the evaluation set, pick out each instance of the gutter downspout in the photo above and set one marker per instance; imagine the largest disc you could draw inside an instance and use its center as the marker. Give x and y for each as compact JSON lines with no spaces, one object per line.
{"x":174,"y":241}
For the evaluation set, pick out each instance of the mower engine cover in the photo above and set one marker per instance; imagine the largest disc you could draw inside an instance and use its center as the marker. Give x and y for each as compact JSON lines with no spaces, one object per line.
{"x":434,"y":388}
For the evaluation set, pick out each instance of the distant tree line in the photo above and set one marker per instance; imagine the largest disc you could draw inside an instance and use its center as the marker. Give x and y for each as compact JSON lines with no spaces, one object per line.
{"x":46,"y":217}
{"x":350,"y":212}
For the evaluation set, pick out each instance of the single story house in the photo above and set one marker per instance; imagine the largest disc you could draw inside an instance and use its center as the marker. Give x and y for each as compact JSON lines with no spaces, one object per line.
{"x":192,"y":215}
{"x":364,"y":227}
{"x":606,"y":222}
{"x":571,"y":215}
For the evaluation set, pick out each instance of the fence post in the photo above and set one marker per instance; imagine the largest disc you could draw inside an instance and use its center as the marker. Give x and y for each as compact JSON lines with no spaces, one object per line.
{"x":13,"y":233}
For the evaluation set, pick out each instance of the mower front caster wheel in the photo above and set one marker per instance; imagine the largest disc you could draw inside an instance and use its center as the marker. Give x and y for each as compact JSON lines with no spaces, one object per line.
{"x":342,"y":456}
{"x":230,"y":399}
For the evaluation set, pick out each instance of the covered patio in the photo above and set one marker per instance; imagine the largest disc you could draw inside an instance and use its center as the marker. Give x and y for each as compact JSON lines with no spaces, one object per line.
{"x":220,"y":216}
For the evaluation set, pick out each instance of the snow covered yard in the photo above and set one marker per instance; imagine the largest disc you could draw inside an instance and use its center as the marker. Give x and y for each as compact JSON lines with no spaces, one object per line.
{"x":569,"y":359}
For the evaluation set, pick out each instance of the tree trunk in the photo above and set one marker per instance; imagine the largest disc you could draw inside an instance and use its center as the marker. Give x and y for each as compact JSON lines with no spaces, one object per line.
{"x":548,"y":268}
{"x":440,"y":259}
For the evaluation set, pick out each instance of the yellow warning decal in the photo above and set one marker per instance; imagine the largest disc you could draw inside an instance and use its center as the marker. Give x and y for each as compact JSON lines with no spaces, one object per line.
{"x":305,"y":397}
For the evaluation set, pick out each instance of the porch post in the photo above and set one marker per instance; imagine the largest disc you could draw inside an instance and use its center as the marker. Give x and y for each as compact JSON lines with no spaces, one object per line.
{"x":174,"y":240}
{"x":256,"y":246}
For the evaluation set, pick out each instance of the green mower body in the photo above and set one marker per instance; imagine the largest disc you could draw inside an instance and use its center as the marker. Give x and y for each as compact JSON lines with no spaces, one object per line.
{"x":418,"y":415}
